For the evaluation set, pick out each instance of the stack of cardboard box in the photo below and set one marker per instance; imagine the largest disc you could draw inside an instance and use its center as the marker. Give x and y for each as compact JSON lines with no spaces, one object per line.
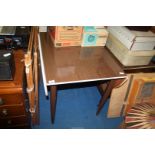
{"x":94,"y":36}
{"x":131,"y":48}
{"x":63,"y":36}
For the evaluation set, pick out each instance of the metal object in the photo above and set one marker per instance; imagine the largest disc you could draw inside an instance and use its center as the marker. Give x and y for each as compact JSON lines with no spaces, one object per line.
{"x":4,"y":112}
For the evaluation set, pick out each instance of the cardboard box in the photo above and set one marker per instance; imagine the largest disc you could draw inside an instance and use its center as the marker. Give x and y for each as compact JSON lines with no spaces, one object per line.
{"x":94,"y":36}
{"x":133,"y":40}
{"x":118,"y":99}
{"x":126,"y":56}
{"x":63,"y":36}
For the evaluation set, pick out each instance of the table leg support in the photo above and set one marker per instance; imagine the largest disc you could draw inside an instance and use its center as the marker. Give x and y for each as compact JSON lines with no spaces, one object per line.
{"x":106,"y":94}
{"x":53,"y":96}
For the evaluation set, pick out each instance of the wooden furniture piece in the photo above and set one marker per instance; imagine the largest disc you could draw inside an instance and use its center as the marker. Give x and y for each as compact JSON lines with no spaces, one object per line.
{"x":72,"y":65}
{"x":13,"y":102}
{"x":31,"y":70}
{"x":117,"y":107}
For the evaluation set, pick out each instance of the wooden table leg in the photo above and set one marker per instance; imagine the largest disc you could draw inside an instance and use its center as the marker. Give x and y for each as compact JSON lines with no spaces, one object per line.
{"x":110,"y":85}
{"x":53,"y":96}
